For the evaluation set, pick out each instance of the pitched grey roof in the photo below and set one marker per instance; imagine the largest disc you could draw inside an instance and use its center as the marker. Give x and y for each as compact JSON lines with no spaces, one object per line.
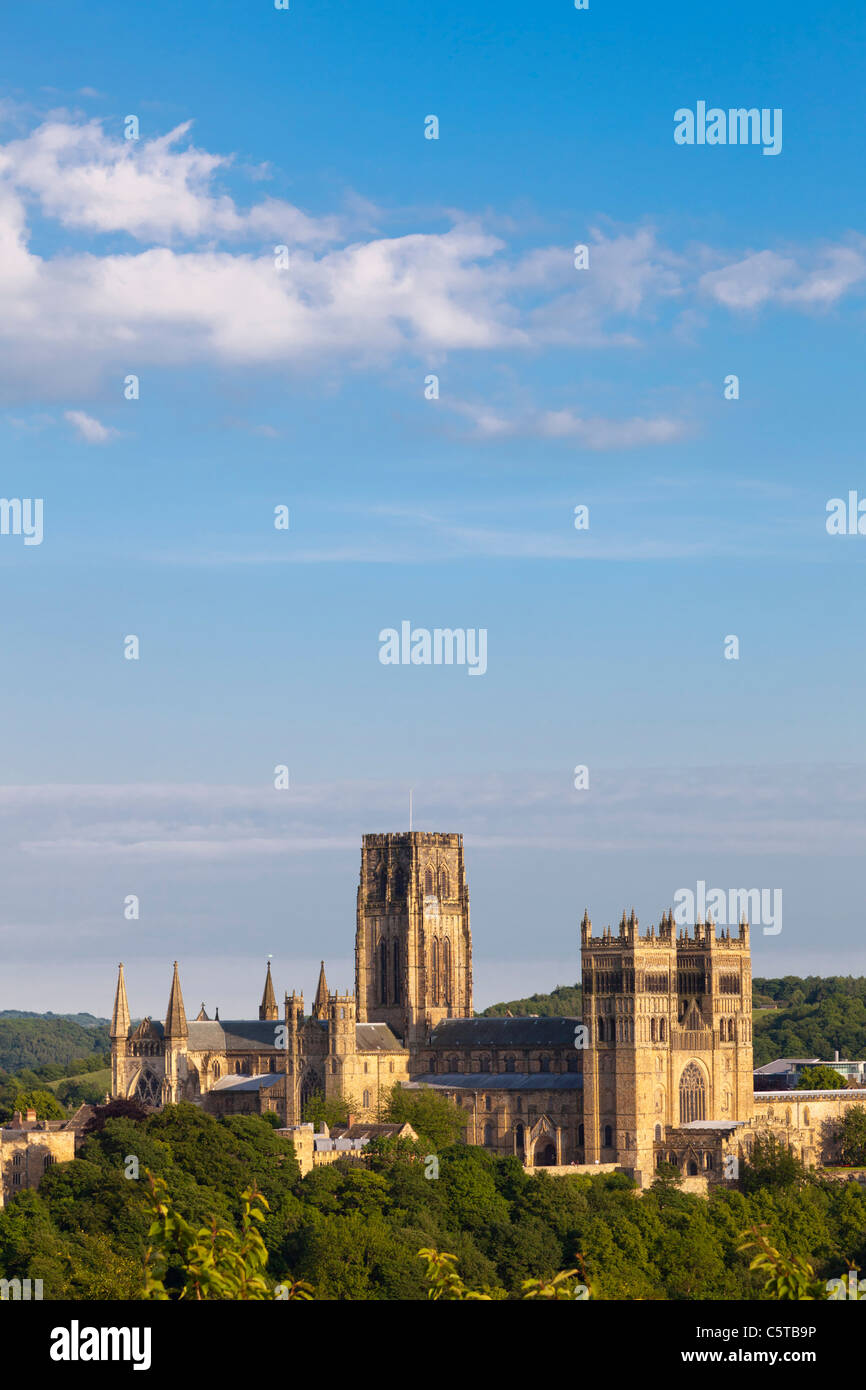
{"x":259,"y":1035}
{"x":504,"y":1032}
{"x":376,"y":1037}
{"x":372,"y":1131}
{"x":322,"y":1143}
{"x":502,"y":1081}
{"x":783,"y":1064}
{"x":233,"y":1035}
{"x":262,"y":1082}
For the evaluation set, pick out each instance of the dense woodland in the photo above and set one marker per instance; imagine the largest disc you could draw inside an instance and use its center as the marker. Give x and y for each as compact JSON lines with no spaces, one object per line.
{"x":352,"y":1231}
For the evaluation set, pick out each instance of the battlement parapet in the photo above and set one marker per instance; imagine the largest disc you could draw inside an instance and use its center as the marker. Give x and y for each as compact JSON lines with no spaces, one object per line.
{"x":446,"y":839}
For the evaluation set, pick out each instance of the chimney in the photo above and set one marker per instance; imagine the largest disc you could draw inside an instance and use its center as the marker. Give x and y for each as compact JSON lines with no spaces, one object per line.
{"x":30,"y":1117}
{"x":350,"y":1120}
{"x":836,"y":1055}
{"x":17,"y":1120}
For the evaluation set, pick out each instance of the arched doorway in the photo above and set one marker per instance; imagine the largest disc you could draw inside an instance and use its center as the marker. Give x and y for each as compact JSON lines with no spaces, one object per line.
{"x":545,"y":1152}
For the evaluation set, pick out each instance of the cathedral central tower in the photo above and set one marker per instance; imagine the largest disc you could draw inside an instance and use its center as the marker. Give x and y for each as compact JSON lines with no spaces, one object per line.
{"x":413,"y":948}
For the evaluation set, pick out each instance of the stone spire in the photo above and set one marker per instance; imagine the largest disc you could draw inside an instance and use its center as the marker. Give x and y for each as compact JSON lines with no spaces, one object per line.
{"x":320,"y":1006}
{"x":268,"y":1006}
{"x":120,"y":1016}
{"x":175,"y":1018}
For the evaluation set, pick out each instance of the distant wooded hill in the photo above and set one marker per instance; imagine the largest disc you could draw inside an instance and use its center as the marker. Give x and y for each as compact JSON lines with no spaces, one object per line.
{"x":85,"y":1020}
{"x":562,"y":1002}
{"x":35,"y":1040}
{"x":814,"y":1016}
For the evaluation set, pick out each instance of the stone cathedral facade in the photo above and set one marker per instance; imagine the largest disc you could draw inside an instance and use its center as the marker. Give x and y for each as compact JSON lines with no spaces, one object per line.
{"x":658,"y":1069}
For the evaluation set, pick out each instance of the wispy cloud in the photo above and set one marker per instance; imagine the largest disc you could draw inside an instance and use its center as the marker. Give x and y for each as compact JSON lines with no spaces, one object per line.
{"x":590,"y":432}
{"x":743,"y":810}
{"x":88,"y":428}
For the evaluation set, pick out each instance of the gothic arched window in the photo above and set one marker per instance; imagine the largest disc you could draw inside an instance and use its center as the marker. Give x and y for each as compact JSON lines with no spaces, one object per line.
{"x":395,"y":979}
{"x":383,"y":972}
{"x":435,"y":969}
{"x":509,"y":1064}
{"x":661,"y":1030}
{"x":366,"y":1100}
{"x":693,"y":1094}
{"x":147,"y":1089}
{"x":653,"y":1030}
{"x":428,"y":882}
{"x":608,"y":1137}
{"x":445,"y":992}
{"x":444,"y":884}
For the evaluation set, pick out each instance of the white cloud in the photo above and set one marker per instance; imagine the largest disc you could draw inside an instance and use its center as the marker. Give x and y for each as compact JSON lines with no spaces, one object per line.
{"x":766,"y":277}
{"x":188,"y":295}
{"x":593,"y":432}
{"x":89,"y":429}
{"x":149,"y":188}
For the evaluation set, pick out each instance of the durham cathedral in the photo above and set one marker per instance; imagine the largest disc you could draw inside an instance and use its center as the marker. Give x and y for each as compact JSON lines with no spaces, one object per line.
{"x":658,"y":1069}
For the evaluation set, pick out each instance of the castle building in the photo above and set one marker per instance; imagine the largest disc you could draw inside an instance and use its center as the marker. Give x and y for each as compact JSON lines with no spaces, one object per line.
{"x":28,"y":1147}
{"x":658,"y":1069}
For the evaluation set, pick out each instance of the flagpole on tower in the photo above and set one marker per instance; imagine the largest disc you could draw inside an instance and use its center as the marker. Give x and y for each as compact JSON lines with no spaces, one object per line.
{"x":410,"y":808}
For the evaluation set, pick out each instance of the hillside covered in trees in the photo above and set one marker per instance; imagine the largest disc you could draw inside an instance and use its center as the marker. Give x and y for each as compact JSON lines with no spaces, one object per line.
{"x":34,"y":1041}
{"x":353,"y":1232}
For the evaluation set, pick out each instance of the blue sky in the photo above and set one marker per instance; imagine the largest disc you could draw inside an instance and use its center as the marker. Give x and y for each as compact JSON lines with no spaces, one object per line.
{"x":305,"y":387}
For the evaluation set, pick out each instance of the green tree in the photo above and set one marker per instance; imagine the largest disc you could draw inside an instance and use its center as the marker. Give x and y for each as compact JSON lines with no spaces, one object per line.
{"x":45,"y":1104}
{"x":335,"y":1110}
{"x":435,"y":1118}
{"x":772,"y":1165}
{"x":820,"y":1078}
{"x":668,"y":1178}
{"x":852,"y":1136}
